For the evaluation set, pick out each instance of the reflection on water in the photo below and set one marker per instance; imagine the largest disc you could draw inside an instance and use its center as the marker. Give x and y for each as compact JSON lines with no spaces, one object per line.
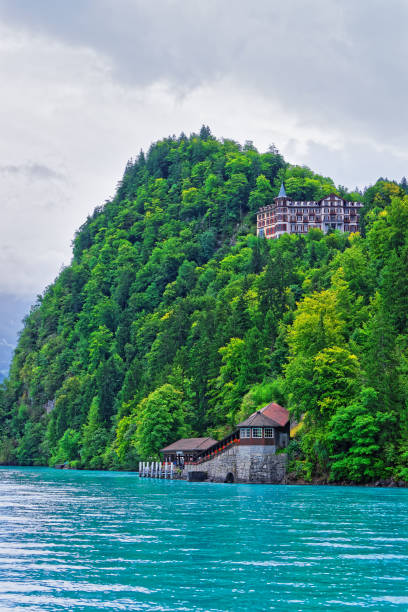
{"x":93,"y":540}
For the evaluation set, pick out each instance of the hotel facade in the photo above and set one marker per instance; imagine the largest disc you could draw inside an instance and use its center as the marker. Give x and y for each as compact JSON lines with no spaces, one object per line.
{"x":287,"y":216}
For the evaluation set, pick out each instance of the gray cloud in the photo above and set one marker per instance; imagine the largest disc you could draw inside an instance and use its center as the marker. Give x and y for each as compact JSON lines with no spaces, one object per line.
{"x":35,"y":171}
{"x":339,"y":162}
{"x":3,"y":342}
{"x":12,"y":311}
{"x":328,"y":61}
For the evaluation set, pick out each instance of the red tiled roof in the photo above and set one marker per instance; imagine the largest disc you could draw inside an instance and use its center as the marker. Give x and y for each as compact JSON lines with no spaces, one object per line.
{"x":190,"y":444}
{"x":257,"y":419}
{"x":276,"y":413}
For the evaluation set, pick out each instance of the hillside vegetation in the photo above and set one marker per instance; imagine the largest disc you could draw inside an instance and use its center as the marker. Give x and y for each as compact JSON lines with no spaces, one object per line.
{"x":174,"y":320}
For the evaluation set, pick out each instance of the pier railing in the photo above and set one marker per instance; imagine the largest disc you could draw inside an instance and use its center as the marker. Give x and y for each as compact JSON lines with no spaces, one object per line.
{"x":158,"y":469}
{"x":218,"y":448}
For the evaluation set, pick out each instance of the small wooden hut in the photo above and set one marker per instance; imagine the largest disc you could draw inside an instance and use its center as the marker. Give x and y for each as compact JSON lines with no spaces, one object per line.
{"x":269,"y":426}
{"x":186,"y":449}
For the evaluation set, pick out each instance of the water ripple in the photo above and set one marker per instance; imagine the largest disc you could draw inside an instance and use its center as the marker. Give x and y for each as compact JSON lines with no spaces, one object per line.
{"x":96,"y":541}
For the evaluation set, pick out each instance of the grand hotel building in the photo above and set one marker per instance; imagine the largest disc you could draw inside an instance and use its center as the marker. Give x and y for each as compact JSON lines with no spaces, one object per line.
{"x":286,"y":216}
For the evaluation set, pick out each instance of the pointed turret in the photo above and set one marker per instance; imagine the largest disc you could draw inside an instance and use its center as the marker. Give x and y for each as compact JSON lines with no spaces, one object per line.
{"x":282,"y":192}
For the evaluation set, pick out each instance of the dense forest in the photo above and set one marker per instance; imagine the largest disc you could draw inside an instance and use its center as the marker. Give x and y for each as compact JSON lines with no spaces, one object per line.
{"x":174,"y":320}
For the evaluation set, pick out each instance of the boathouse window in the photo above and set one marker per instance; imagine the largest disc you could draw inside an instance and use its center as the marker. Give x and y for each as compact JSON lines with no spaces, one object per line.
{"x":268,"y":432}
{"x":257,"y":432}
{"x":245,"y":432}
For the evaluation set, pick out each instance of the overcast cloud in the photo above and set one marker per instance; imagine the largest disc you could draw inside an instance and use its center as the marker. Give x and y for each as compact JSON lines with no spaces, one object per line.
{"x":87,"y":83}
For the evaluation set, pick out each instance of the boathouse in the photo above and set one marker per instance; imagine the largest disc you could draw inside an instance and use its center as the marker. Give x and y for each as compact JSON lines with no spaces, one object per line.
{"x":249,"y":453}
{"x":269,"y":427}
{"x":186,"y":449}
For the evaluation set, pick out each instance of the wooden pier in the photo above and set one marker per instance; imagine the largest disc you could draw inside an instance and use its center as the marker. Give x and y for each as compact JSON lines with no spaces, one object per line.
{"x":158,"y":469}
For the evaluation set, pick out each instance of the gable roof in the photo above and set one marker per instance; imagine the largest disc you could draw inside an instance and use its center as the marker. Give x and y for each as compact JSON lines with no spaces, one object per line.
{"x":271,"y":415}
{"x":330,"y":196}
{"x":257,"y":419}
{"x":276,"y":413}
{"x":190,"y":444}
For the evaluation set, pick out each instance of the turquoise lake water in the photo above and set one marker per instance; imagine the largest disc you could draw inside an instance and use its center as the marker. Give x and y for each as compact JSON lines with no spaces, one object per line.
{"x":109,"y":541}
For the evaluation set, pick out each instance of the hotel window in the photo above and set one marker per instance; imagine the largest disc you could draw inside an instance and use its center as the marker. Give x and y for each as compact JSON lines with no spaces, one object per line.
{"x":245,"y":432}
{"x":257,"y":432}
{"x":268,"y":432}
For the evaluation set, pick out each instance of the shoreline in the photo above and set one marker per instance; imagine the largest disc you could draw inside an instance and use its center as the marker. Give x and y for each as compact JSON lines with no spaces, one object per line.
{"x":377,"y":484}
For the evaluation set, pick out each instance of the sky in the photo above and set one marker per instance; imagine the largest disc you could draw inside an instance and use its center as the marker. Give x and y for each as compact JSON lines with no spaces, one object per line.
{"x":87,"y":83}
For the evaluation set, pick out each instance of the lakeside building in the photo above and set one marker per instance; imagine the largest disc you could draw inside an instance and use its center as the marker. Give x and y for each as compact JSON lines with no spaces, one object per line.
{"x":248,"y":454}
{"x":186,"y":449}
{"x":287,"y":216}
{"x":267,"y":427}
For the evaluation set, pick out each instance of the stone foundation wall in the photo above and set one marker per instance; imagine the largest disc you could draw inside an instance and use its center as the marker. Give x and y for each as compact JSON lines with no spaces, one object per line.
{"x":256,"y":464}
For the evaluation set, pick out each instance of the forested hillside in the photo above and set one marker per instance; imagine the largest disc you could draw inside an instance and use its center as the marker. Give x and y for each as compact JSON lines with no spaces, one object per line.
{"x":174,"y":320}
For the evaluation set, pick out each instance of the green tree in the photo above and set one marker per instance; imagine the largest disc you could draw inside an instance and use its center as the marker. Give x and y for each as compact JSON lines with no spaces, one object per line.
{"x":67,"y":448}
{"x":161,"y":419}
{"x":354,"y":440}
{"x":94,"y":438}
